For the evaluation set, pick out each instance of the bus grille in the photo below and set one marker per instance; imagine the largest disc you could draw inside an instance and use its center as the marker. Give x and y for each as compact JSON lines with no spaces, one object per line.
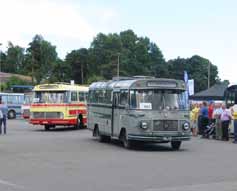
{"x":46,"y":115}
{"x":165,"y":125}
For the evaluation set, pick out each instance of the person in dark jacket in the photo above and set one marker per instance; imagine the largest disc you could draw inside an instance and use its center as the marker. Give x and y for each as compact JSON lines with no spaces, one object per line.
{"x":3,"y":116}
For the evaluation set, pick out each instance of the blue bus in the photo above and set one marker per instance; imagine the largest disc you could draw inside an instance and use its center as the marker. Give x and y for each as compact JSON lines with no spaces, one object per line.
{"x":14,"y":102}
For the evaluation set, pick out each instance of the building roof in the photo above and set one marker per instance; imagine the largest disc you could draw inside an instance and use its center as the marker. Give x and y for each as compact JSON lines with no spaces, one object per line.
{"x":216,"y":92}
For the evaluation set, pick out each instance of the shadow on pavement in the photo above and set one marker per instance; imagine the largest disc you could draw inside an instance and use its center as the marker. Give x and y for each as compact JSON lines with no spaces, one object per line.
{"x":149,"y":147}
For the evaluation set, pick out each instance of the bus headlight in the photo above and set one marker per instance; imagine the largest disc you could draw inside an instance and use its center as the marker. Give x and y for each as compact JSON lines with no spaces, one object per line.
{"x":186,"y":126}
{"x":144,"y":125}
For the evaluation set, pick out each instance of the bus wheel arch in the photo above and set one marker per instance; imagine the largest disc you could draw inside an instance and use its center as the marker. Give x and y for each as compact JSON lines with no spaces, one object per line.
{"x":11,"y":114}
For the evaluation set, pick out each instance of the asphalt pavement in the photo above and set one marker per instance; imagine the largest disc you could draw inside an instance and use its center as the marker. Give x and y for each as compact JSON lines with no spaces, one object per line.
{"x":32,"y":159}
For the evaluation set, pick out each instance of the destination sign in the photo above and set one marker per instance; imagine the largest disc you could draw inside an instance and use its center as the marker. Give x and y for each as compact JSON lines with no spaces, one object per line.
{"x":48,"y":86}
{"x":166,"y":84}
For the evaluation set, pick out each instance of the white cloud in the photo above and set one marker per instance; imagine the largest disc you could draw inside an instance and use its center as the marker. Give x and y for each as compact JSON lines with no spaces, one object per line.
{"x":21,"y":19}
{"x":67,"y":24}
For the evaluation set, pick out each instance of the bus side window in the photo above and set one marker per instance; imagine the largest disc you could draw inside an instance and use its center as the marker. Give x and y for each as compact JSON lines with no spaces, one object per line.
{"x":74,"y":96}
{"x":123,"y":97}
{"x":81,"y":96}
{"x":133,"y":101}
{"x":116,"y":99}
{"x":4,"y":99}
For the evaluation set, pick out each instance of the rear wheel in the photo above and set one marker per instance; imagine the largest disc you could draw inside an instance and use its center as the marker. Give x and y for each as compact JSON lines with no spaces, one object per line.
{"x":176,"y":145}
{"x":11,"y":114}
{"x":47,"y":127}
{"x":80,"y":123}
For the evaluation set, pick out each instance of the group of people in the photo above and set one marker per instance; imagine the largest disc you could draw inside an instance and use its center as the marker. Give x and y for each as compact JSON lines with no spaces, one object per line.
{"x":209,"y":118}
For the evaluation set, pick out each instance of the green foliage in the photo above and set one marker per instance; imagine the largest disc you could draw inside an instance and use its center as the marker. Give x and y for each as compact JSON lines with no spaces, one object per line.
{"x":41,"y":58}
{"x":78,"y":60}
{"x":14,"y":81}
{"x":197,"y":68}
{"x":14,"y":59}
{"x":135,"y":55}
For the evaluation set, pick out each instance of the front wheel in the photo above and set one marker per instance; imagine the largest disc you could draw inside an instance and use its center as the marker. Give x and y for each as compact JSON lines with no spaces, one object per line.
{"x":126,"y":143}
{"x":176,"y":145}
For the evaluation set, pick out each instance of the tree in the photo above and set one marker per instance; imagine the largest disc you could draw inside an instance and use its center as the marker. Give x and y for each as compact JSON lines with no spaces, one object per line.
{"x":14,"y":59}
{"x":138,"y":56}
{"x":197,"y":68}
{"x":78,"y":60}
{"x":41,"y":57}
{"x":61,"y":71}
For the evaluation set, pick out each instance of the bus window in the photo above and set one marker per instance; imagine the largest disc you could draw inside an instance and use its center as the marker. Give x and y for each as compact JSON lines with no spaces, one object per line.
{"x":4,"y":99}
{"x":81,"y":96}
{"x":74,"y":96}
{"x":13,"y":99}
{"x":123,"y":97}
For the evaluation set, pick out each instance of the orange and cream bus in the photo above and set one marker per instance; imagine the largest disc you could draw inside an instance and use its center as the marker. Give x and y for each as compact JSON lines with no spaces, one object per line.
{"x":59,"y":104}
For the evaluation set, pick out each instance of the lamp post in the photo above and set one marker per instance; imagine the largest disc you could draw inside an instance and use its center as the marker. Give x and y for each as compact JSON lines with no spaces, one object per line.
{"x":118,"y":65}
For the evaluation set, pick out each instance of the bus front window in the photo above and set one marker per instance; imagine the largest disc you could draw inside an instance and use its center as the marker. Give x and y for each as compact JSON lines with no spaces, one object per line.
{"x":51,"y":97}
{"x":157,"y":99}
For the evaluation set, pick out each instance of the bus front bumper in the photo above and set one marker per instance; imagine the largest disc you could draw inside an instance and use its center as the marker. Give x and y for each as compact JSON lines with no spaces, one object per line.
{"x":159,"y":138}
{"x":55,"y":121}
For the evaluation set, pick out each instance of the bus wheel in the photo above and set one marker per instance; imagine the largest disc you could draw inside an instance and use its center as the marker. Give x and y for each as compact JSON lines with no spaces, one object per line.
{"x":46,"y":127}
{"x":79,"y":124}
{"x":11,"y":114}
{"x":126,"y":143}
{"x":175,"y":145}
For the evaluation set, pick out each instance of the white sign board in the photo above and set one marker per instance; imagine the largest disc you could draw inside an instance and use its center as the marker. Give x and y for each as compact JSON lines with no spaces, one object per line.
{"x":145,"y":106}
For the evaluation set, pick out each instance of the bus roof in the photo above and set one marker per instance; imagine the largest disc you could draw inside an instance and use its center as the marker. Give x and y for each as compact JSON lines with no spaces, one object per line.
{"x":140,"y":83}
{"x":59,"y":87}
{"x":6,"y":93}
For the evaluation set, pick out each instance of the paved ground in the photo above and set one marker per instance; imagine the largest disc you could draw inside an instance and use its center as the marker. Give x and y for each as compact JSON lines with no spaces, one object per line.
{"x":67,"y":160}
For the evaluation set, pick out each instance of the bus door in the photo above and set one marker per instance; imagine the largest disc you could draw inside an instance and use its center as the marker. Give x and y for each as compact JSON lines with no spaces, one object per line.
{"x":115,"y":113}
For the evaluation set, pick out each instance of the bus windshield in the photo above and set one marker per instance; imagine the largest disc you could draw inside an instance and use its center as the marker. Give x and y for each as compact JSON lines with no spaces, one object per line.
{"x":51,"y":97}
{"x":158,"y":99}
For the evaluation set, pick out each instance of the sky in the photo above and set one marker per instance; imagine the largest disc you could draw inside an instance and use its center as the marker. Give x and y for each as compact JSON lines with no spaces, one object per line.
{"x":180,"y":28}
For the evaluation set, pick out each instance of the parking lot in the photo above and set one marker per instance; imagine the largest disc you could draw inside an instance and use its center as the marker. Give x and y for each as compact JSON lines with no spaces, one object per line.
{"x":64,"y":160}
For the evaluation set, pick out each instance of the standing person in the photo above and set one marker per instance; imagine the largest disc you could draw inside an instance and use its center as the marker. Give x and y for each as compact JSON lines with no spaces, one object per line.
{"x":217,"y":115}
{"x":210,"y":111}
{"x":194,"y":119}
{"x":204,"y":114}
{"x":234,"y":114}
{"x":3,"y":121}
{"x":225,"y":121}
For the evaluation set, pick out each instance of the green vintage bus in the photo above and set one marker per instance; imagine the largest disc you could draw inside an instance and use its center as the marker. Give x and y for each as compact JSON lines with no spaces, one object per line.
{"x":139,"y":109}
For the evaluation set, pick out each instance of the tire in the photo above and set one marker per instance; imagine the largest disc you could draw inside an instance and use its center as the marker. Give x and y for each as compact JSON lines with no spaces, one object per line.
{"x":11,"y":114}
{"x":128,"y":144}
{"x":176,"y":145}
{"x":46,"y":127}
{"x":80,"y":124}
